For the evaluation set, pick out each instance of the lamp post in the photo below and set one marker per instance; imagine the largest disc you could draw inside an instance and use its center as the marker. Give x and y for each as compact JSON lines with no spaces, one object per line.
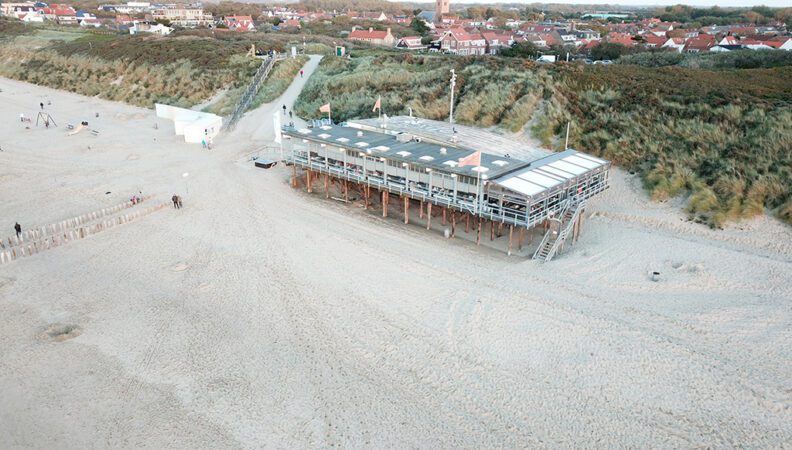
{"x":453,"y":84}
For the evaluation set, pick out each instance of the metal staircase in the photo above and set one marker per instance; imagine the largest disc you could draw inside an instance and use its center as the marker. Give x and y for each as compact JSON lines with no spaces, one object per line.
{"x":251,"y":91}
{"x":555,"y":237}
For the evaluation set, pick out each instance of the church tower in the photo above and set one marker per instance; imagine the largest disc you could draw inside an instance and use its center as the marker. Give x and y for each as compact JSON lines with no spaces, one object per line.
{"x":441,"y":7}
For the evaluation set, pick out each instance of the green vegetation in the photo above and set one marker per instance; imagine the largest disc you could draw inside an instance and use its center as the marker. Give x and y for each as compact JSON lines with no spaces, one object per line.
{"x":491,"y":91}
{"x":278,"y":80}
{"x":723,"y":137}
{"x":183,"y":69}
{"x":722,"y":16}
{"x":740,"y":59}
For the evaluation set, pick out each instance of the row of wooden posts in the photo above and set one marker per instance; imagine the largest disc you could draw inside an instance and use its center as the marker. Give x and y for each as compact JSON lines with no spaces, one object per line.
{"x":71,"y":234}
{"x":449,"y":215}
{"x":65,"y":225}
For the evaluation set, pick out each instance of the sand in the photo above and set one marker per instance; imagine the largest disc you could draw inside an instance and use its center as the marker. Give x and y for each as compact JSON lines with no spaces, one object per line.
{"x":261,"y":316}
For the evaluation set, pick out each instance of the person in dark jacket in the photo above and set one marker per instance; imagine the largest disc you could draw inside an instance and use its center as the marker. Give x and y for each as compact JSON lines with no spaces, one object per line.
{"x":18,"y":229}
{"x":174,"y":199}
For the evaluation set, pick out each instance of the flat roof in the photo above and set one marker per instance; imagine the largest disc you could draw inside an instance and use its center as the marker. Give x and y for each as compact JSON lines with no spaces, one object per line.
{"x":467,"y":138}
{"x":427,"y":154}
{"x":547,"y":173}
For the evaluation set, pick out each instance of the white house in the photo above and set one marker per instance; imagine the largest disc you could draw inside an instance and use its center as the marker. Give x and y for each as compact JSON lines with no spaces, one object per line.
{"x":143,"y":27}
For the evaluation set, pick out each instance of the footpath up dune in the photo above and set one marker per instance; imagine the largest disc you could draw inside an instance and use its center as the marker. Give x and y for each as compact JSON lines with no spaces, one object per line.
{"x":261,"y":316}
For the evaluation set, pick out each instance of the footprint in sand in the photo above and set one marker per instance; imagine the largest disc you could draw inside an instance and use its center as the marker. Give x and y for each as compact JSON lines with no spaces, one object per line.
{"x":205,"y":286}
{"x":180,"y":267}
{"x":133,"y":157}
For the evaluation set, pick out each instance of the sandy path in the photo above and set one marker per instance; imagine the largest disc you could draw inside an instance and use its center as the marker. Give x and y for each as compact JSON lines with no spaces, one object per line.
{"x":259,"y":316}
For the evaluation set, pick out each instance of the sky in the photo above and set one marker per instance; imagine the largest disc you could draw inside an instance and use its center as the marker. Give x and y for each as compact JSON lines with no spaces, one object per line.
{"x":698,"y":3}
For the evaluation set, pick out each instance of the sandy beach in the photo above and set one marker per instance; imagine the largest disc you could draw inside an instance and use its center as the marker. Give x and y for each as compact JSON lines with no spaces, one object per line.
{"x":262,"y":316}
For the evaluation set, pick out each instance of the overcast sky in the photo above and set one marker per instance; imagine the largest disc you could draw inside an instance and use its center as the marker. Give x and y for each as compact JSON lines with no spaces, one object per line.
{"x":705,"y":3}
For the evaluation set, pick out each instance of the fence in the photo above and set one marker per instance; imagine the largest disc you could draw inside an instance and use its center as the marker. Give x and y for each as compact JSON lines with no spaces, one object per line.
{"x":60,"y":233}
{"x":261,"y":75}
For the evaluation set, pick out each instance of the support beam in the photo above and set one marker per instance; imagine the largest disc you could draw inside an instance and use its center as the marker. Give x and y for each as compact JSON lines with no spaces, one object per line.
{"x":294,"y":175}
{"x":327,"y":186}
{"x":428,"y":215}
{"x":509,"y":248}
{"x":406,"y":209}
{"x":492,"y":230}
{"x":308,"y":180}
{"x":346,"y":190}
{"x":453,"y":223}
{"x":467,"y":222}
{"x":520,"y":236}
{"x":420,"y":210}
{"x":385,"y":198}
{"x":444,"y":215}
{"x":478,"y":232}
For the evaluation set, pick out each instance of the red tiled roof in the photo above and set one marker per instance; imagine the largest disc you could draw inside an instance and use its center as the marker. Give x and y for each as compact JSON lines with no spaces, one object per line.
{"x":366,"y":34}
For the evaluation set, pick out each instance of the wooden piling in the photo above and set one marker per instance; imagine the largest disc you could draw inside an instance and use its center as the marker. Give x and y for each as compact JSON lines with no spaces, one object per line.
{"x":511,"y":231}
{"x":428,"y":215}
{"x":406,"y":209}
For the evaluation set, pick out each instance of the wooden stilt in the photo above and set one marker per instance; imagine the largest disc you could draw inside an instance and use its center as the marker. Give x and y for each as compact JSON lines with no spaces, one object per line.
{"x":467,"y":222}
{"x":406,"y":210}
{"x":308,"y":180}
{"x":384,"y":203}
{"x":346,"y":190}
{"x":492,"y":230}
{"x":428,"y":216}
{"x":420,"y":210}
{"x":500,"y":229}
{"x":478,"y":232}
{"x":444,"y":216}
{"x":520,"y":236}
{"x":511,"y":231}
{"x":365,"y":196}
{"x":453,"y":223}
{"x":327,"y":186}
{"x":294,"y":175}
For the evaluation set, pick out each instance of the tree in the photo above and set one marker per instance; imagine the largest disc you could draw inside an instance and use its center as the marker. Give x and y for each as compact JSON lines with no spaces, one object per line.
{"x":609,"y":50}
{"x":275,"y":21}
{"x":523,"y":49}
{"x":420,"y":27}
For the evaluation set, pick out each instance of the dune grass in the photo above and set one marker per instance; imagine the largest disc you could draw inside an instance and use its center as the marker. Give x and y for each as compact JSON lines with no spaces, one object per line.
{"x":722,"y":137}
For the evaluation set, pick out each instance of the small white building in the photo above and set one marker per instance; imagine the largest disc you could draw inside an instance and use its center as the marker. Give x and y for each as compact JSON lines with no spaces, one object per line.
{"x":143,"y":27}
{"x":195,"y":126}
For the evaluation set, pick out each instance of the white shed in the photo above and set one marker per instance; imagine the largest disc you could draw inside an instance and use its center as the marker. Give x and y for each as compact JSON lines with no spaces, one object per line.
{"x":195,"y":126}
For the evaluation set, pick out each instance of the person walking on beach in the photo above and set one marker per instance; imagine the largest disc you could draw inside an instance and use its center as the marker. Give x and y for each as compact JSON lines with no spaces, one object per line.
{"x":290,"y":114}
{"x":203,"y":143}
{"x":284,"y":109}
{"x":18,"y":229}
{"x":301,"y":73}
{"x":174,"y":200}
{"x":42,"y":105}
{"x":178,"y":201}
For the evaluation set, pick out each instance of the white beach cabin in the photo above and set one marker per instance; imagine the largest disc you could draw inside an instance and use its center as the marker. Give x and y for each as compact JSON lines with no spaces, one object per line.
{"x":195,"y":126}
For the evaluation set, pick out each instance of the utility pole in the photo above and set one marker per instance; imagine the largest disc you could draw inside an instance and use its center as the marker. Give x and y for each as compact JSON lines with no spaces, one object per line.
{"x":453,"y":84}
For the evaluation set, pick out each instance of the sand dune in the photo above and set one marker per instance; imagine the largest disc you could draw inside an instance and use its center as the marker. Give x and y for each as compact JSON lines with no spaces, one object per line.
{"x":261,"y":316}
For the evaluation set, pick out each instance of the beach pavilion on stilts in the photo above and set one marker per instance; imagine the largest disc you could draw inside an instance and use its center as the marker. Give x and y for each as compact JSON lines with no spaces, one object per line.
{"x":462,"y":172}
